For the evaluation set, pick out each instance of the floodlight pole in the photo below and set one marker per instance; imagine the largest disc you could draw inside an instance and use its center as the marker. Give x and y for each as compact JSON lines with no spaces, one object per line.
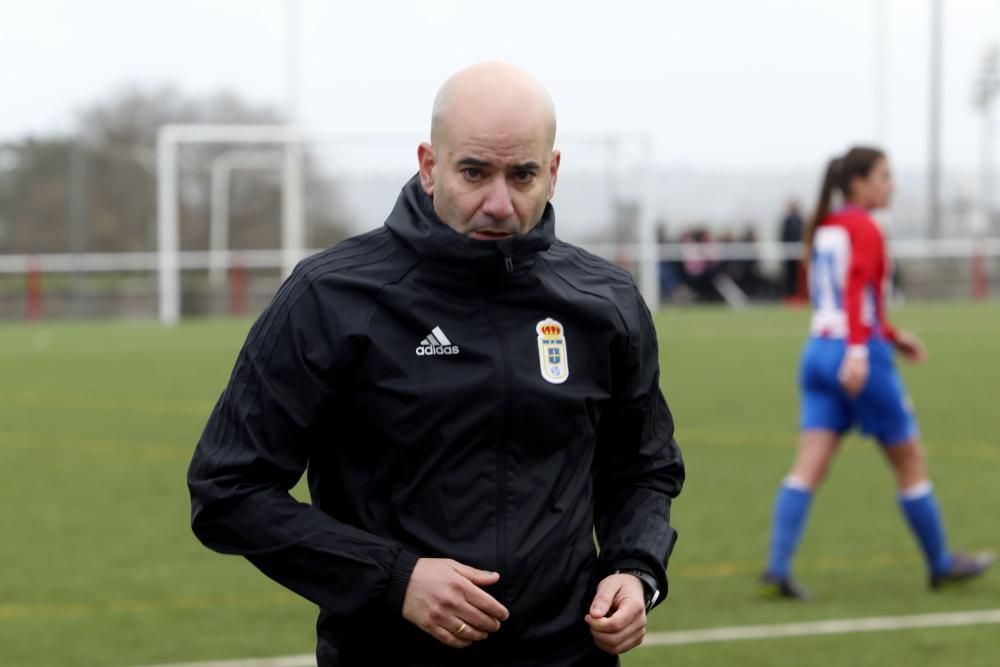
{"x":293,"y":225}
{"x":78,"y":214}
{"x":934,"y":128}
{"x":987,"y":89}
{"x":987,"y":171}
{"x":881,"y":73}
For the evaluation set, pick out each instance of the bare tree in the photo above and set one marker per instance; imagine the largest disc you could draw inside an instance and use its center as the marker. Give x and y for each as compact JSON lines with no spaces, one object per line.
{"x":97,"y":190}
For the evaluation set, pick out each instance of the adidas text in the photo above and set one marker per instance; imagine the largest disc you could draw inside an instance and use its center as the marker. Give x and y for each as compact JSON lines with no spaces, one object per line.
{"x":431,"y":350}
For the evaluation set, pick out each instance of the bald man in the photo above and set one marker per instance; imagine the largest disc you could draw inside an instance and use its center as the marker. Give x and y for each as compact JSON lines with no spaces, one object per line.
{"x":473,"y":401}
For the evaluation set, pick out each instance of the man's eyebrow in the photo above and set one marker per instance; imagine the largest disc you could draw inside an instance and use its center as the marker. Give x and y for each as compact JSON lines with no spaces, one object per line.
{"x":469,"y":161}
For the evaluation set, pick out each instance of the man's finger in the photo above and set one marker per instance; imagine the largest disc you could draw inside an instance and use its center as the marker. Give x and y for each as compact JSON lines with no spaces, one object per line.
{"x":606,"y":633}
{"x":632,"y":641}
{"x":612,"y":635}
{"x":464,"y":631}
{"x":606,"y":592}
{"x":476,"y":618}
{"x":478,"y":577}
{"x":618,"y":646}
{"x":486,"y":603}
{"x":629,"y":612}
{"x":447,"y":637}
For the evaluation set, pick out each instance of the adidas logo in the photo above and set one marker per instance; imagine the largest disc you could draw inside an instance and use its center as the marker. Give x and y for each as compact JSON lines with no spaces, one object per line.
{"x":436,"y":343}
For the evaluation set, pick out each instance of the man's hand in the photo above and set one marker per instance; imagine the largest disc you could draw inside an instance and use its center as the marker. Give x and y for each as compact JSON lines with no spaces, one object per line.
{"x":617,"y":617}
{"x":910,"y":347}
{"x":444,"y":599}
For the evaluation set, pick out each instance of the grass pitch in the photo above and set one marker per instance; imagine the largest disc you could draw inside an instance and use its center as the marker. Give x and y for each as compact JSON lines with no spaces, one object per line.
{"x":98,"y":421}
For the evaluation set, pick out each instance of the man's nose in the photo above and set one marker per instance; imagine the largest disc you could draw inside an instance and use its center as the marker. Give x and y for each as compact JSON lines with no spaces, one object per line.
{"x":497,"y":203}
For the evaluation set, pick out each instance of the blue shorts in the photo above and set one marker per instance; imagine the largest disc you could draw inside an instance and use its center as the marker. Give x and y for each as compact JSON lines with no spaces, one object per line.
{"x":882,"y":409}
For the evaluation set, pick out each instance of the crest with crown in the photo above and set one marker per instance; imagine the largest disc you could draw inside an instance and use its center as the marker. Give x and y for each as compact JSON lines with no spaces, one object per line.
{"x":549,"y":329}
{"x":552,"y":358}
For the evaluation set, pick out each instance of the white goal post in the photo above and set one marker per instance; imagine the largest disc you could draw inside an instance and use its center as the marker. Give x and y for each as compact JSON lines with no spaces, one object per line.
{"x":291,"y":138}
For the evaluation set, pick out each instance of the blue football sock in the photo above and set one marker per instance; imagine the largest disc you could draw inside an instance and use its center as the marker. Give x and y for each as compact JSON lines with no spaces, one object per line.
{"x":791,"y":508}
{"x":922,"y":513}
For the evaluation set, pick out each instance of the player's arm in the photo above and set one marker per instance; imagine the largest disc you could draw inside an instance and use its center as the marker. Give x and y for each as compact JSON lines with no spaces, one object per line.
{"x":638,"y":471}
{"x":255,"y":448}
{"x":862,"y":272}
{"x":905,"y":341}
{"x":909,"y":345}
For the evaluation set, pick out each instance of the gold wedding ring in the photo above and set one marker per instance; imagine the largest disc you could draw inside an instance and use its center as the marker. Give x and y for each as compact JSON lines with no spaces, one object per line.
{"x":459,"y":631}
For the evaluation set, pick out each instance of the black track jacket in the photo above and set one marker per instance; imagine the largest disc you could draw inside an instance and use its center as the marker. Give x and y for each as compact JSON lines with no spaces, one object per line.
{"x":497,"y":403}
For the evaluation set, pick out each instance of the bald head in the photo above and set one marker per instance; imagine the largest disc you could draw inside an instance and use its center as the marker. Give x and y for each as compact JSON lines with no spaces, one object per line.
{"x":492,"y":96}
{"x":490,"y":167}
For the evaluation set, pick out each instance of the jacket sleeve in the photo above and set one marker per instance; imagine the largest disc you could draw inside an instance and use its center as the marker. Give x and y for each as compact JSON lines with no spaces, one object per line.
{"x":639,"y":469}
{"x":255,"y":448}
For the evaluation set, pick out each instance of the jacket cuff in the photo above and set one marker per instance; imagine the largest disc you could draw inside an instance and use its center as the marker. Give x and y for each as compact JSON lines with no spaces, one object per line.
{"x":635,"y":564}
{"x":399,"y":579}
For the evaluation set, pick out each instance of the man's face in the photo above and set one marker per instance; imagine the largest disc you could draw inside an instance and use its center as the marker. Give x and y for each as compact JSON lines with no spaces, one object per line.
{"x":490,"y":180}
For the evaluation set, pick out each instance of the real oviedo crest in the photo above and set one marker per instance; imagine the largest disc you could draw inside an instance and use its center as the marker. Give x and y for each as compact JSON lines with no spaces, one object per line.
{"x":552,"y":357}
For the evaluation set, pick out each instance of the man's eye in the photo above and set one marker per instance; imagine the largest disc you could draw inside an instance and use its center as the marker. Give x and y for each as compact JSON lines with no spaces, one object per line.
{"x":524,"y":176}
{"x":473,"y":173}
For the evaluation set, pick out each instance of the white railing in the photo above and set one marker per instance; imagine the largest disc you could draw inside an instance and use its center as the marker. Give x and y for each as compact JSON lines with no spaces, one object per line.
{"x":139,"y":270}
{"x":126,"y":262}
{"x":192,"y":260}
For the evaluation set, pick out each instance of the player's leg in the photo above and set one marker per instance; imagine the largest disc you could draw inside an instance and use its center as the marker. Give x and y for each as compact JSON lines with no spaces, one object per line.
{"x":888,"y":415}
{"x":920,"y":507}
{"x":824,"y":416}
{"x":791,"y":509}
{"x":918,"y":503}
{"x":817,"y":449}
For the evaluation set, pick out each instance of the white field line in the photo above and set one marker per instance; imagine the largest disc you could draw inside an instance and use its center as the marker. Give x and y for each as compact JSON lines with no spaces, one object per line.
{"x":284,"y":661}
{"x":833,"y":627}
{"x":735,"y":633}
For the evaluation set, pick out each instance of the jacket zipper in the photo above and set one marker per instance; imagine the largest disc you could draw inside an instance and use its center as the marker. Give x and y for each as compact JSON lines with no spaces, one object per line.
{"x":502,"y":463}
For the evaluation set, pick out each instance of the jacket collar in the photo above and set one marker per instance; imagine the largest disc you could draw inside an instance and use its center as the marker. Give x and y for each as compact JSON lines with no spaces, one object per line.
{"x":414,"y":220}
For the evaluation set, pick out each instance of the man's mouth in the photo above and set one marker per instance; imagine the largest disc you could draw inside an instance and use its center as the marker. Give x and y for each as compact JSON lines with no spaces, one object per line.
{"x":490,"y":234}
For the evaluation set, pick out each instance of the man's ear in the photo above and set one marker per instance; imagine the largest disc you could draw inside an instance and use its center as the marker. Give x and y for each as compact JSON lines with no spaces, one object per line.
{"x":426,"y":159}
{"x":554,"y":172}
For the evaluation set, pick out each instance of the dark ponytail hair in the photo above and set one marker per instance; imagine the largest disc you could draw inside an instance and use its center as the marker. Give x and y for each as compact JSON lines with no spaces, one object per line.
{"x":840,"y":171}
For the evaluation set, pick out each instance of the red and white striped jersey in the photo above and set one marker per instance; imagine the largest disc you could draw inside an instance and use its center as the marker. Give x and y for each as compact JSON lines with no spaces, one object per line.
{"x":848,"y":278}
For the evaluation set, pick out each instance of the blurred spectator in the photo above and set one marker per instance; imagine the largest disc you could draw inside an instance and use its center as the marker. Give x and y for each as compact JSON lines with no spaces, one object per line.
{"x":745,"y":271}
{"x":700,"y":264}
{"x":670,"y":276}
{"x":791,"y":232}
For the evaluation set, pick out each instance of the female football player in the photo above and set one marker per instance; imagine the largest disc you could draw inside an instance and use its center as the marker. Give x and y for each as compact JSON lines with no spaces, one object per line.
{"x":847,"y":377}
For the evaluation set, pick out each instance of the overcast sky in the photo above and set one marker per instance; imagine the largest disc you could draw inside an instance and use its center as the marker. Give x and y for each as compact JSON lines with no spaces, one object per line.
{"x":718,"y":83}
